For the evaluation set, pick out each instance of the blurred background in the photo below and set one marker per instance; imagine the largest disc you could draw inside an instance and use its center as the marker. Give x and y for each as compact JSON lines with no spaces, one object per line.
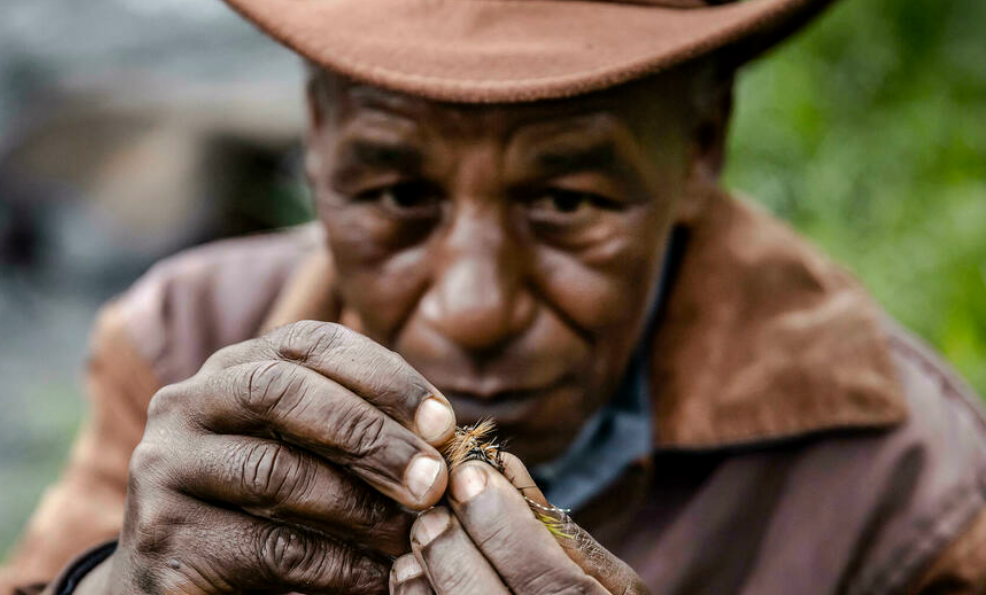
{"x":130,"y":130}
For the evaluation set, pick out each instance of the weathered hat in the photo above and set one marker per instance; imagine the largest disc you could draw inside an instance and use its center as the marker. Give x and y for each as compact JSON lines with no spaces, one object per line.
{"x":519,"y":50}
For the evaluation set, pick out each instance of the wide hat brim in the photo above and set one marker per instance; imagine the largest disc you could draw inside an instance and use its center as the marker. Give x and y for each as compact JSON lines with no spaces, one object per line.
{"x":519,"y":50}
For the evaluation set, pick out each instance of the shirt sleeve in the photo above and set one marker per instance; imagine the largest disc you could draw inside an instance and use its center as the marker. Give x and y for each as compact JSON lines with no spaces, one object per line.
{"x":961,"y":568}
{"x":85,"y":507}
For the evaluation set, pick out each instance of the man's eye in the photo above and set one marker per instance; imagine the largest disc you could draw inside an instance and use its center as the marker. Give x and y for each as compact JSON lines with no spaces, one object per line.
{"x":569,"y":202}
{"x":409,"y":198}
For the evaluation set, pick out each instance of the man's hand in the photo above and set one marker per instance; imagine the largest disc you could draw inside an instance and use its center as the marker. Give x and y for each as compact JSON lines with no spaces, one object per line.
{"x":488,"y":541}
{"x":281,"y":466}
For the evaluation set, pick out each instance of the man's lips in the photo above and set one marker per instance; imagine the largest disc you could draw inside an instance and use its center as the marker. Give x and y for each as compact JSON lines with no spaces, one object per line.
{"x":508,"y":407}
{"x":496,"y":389}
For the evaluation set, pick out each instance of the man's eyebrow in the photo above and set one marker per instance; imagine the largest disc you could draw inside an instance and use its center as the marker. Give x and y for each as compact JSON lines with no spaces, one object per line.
{"x":601,"y":156}
{"x":382,"y":155}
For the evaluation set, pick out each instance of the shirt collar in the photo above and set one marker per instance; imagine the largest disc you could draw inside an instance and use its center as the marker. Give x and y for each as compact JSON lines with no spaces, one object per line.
{"x":762,"y":339}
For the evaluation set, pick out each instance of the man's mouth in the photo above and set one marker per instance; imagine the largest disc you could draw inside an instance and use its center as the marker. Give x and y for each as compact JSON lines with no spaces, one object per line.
{"x":506,"y":406}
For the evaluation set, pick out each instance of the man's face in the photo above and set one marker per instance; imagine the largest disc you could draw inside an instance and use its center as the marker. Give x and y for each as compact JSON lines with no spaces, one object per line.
{"x":508,"y":252}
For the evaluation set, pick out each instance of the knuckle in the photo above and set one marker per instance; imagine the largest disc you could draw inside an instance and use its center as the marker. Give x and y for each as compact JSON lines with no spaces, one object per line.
{"x":167,"y":400}
{"x":265,"y":386}
{"x":361,"y":429}
{"x":293,"y":557}
{"x":355,"y":573}
{"x":223,"y":357}
{"x":367,"y":510}
{"x":284,"y":551}
{"x":146,"y":457}
{"x":308,"y":340}
{"x":271,"y":475}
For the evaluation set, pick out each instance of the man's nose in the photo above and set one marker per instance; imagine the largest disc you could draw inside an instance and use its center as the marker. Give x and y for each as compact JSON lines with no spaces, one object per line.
{"x":478,"y":298}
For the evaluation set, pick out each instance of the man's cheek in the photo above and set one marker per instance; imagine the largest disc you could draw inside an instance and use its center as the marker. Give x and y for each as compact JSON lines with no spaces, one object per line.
{"x":362,"y":235}
{"x":596,"y":300}
{"x":380,"y":293}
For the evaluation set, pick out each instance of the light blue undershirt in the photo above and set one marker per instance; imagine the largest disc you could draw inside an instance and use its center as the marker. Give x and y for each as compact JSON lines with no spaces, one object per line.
{"x":608,"y":443}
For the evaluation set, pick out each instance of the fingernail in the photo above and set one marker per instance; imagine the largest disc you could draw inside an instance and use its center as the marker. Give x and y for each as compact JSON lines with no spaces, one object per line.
{"x":433,"y":419}
{"x":430,"y":525}
{"x":468,"y":482}
{"x":421,"y":475}
{"x":406,"y":568}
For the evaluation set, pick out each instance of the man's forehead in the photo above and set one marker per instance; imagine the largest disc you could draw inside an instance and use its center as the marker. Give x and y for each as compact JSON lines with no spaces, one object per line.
{"x":381,"y":128}
{"x":599,"y":114}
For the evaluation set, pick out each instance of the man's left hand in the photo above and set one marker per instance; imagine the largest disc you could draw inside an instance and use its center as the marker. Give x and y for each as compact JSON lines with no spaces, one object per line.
{"x":488,"y":541}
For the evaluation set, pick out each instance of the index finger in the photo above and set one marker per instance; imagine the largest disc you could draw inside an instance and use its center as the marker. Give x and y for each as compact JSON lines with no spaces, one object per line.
{"x":368,"y":369}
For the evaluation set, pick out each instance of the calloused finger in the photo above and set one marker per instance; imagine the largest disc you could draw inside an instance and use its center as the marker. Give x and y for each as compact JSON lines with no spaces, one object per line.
{"x":291,"y":403}
{"x":277,"y":481}
{"x":365,"y":367}
{"x":450,"y":559}
{"x":520,"y":548}
{"x":408,"y":578}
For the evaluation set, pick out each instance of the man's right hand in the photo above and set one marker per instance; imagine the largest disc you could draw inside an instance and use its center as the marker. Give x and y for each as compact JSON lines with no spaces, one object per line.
{"x":283,"y":465}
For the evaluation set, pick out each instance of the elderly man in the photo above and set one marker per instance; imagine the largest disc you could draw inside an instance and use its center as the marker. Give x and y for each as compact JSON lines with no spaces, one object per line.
{"x":518,"y":219}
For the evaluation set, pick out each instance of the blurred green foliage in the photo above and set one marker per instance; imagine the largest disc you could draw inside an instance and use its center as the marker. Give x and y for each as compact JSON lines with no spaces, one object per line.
{"x":869,"y":134}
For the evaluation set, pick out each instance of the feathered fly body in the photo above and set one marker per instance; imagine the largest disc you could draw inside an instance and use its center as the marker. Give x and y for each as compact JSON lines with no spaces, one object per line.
{"x":474,"y":443}
{"x":478,"y":443}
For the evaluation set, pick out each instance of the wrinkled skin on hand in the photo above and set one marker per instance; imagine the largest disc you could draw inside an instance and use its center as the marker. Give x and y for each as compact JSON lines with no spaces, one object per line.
{"x":291,"y":463}
{"x":288,"y":463}
{"x":488,"y":541}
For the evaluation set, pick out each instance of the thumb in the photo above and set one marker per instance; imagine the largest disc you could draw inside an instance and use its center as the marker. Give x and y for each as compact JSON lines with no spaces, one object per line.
{"x":598,"y":562}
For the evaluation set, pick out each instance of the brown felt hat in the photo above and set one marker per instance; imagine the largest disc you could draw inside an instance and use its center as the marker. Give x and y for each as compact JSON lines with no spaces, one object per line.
{"x":520,"y":50}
